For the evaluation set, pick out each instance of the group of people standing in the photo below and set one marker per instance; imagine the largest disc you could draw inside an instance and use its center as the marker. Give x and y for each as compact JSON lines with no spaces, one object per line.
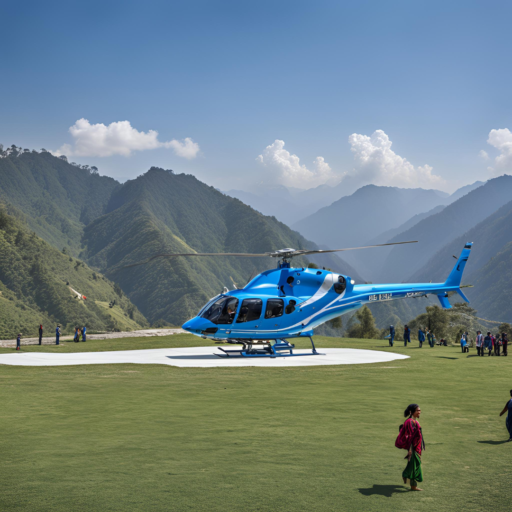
{"x":492,"y":344}
{"x":80,"y":334}
{"x":423,"y":334}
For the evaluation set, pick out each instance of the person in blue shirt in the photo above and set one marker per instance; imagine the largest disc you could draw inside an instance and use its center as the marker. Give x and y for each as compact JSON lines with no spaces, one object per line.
{"x":508,"y":423}
{"x":83,"y":333}
{"x":57,"y":335}
{"x":421,"y":336}
{"x":464,"y":342}
{"x":18,"y":342}
{"x":391,"y":335}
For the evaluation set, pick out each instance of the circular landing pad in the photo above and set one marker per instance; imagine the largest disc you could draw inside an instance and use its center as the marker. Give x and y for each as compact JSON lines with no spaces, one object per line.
{"x":200,"y":357}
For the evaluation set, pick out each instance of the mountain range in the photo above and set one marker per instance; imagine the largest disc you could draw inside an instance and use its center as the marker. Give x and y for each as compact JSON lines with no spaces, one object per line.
{"x":109,"y":225}
{"x":86,"y":223}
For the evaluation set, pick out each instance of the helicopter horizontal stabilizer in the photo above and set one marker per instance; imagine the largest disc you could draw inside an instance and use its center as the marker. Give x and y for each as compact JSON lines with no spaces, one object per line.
{"x":461,"y":293}
{"x":443,"y":299}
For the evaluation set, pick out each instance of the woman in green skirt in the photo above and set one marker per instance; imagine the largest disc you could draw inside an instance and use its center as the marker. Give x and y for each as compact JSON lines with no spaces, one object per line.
{"x":410,"y":438}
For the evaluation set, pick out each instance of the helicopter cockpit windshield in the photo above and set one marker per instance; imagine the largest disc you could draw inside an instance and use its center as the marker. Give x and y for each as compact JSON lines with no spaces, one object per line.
{"x":222,"y":310}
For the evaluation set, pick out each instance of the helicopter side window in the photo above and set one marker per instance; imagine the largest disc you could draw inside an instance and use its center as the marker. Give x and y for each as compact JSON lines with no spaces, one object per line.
{"x":222,"y":311}
{"x":250,"y":310}
{"x":275,"y":308}
{"x":340,"y":286}
{"x":291,"y":307}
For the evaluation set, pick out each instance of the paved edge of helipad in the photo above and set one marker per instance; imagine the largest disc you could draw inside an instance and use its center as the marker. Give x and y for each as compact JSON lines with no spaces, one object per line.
{"x":199,"y":357}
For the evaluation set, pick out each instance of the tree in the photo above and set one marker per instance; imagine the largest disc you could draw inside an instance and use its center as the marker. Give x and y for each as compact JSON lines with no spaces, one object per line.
{"x":94,"y":169}
{"x":505,"y":327}
{"x":336,"y":323}
{"x":63,"y":157}
{"x":118,"y":290}
{"x":366,"y":327}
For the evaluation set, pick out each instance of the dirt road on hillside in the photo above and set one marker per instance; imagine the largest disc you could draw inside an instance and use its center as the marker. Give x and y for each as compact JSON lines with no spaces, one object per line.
{"x":50,"y":340}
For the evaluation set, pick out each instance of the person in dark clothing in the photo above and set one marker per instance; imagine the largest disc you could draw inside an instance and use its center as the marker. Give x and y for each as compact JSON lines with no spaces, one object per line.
{"x":83,"y":333}
{"x":57,"y":335}
{"x":488,"y":343}
{"x":40,"y":334}
{"x":391,"y":335}
{"x":504,"y":341}
{"x":18,"y":342}
{"x":497,"y":344}
{"x":508,"y":408}
{"x":421,"y":336}
{"x":430,"y":338}
{"x":407,"y":335}
{"x":76,"y":339}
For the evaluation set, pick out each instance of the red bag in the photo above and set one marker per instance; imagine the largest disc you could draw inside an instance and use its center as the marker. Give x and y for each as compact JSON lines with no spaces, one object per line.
{"x":403,"y":441}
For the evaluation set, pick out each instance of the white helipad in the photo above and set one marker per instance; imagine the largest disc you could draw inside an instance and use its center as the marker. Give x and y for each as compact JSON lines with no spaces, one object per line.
{"x":199,"y":357}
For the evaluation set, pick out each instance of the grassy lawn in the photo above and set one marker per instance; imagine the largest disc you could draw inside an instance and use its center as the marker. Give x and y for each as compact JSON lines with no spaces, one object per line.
{"x":148,"y":437}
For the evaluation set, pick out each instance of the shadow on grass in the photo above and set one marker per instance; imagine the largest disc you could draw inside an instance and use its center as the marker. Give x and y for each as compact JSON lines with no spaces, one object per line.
{"x":493,"y":442}
{"x":383,"y":490}
{"x":446,"y":357}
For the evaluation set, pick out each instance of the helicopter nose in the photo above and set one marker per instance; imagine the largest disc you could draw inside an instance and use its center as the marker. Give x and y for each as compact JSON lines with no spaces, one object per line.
{"x":198,"y":325}
{"x":188,"y":326}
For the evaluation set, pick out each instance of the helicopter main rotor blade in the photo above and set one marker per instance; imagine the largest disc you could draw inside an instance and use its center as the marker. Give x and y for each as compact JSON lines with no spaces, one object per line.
{"x":322,"y":251}
{"x":207,"y":254}
{"x":276,"y":254}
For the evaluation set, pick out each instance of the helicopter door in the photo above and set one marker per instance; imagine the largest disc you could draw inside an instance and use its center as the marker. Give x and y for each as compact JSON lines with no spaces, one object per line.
{"x":250,"y":311}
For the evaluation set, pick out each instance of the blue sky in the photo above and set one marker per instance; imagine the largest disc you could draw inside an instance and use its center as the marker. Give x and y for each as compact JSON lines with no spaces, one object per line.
{"x":233,"y":77}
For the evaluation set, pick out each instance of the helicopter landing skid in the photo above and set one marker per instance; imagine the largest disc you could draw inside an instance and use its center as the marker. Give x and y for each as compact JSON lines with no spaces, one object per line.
{"x":281,"y":348}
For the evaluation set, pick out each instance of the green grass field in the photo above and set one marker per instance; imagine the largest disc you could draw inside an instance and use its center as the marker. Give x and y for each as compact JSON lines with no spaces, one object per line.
{"x":151,"y":438}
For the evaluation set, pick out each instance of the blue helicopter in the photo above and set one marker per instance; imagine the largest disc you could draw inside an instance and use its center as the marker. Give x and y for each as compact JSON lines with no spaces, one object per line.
{"x":286,"y":303}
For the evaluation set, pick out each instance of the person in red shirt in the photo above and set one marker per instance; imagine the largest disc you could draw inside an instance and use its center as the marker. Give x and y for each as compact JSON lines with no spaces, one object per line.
{"x":410,"y":438}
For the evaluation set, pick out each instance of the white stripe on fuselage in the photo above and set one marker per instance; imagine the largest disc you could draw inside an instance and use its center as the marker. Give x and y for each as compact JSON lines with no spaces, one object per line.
{"x":321,"y":292}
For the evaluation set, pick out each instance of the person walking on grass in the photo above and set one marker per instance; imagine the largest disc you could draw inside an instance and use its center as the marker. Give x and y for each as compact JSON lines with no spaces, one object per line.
{"x":76,"y":338}
{"x":391,"y":335}
{"x":504,"y":341}
{"x":421,"y":336}
{"x":40,"y":334}
{"x":57,"y":335}
{"x":430,"y":338}
{"x":508,"y":423}
{"x":407,"y":335}
{"x":488,"y":343}
{"x":18,"y":342}
{"x":83,"y":333}
{"x":479,"y":343}
{"x":410,"y":438}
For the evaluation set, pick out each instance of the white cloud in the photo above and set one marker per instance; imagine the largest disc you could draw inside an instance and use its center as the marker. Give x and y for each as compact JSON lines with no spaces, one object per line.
{"x":186,"y":149}
{"x":119,"y":138}
{"x":290,"y":170}
{"x":502,"y":140}
{"x":483,"y":155}
{"x":377,"y":163}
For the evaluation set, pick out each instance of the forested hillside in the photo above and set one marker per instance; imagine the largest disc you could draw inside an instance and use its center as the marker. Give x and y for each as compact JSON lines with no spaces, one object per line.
{"x":37,"y":283}
{"x":488,"y":268}
{"x":58,"y":199}
{"x":436,"y":231}
{"x":161,"y":212}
